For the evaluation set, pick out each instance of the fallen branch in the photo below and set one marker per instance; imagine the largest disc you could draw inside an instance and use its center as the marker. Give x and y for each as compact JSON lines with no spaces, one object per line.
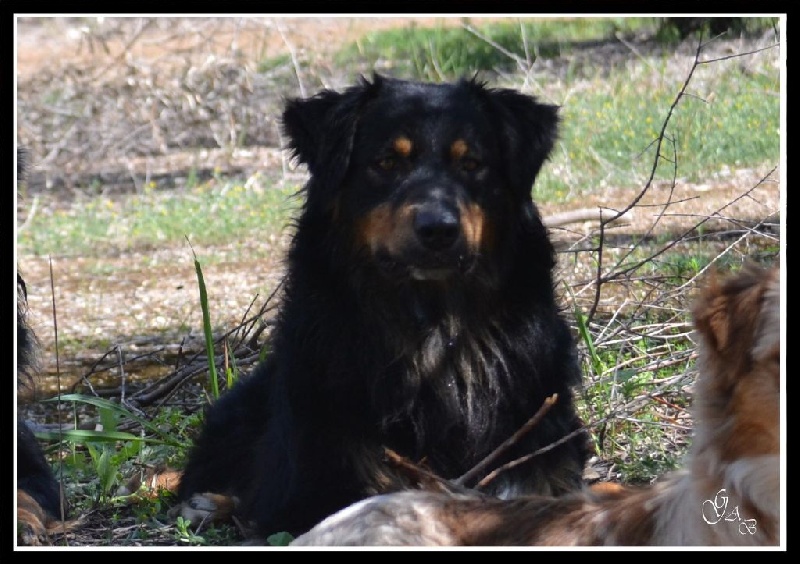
{"x":586,"y":214}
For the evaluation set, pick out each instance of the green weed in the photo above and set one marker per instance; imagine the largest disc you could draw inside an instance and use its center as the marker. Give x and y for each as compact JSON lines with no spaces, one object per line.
{"x":207,"y":332}
{"x":109,"y":449}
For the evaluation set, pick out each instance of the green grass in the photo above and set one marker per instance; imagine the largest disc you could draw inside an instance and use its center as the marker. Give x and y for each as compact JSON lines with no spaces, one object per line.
{"x":448,"y":52}
{"x":629,"y":426}
{"x":732,"y":119}
{"x":216,"y":212}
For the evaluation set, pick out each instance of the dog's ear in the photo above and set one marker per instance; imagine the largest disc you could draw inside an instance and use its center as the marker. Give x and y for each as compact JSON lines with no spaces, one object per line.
{"x":710,"y":314}
{"x":527,"y":133}
{"x":529,"y":130}
{"x":320,"y":129}
{"x":729,"y":311}
{"x":730,"y":315}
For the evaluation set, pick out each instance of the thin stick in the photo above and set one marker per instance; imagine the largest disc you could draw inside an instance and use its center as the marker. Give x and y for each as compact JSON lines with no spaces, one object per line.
{"x":508,"y":443}
{"x":494,"y":473}
{"x":419,"y":473}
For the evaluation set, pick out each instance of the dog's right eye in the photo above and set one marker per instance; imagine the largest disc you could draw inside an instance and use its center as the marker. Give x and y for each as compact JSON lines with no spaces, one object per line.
{"x":386,"y":163}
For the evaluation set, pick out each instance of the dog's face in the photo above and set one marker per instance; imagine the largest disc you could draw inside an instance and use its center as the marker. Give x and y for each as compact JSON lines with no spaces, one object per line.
{"x":426,"y":184}
{"x":425,"y":177}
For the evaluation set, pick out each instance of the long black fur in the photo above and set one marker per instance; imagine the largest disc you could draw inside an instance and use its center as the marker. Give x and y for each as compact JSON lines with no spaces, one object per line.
{"x":365,"y":356}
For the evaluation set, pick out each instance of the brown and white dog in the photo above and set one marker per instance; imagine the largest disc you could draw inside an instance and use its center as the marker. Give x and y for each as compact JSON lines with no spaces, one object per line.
{"x":728,"y":493}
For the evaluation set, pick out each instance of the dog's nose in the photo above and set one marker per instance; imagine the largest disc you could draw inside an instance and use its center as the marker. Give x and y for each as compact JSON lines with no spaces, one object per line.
{"x":437,"y":227}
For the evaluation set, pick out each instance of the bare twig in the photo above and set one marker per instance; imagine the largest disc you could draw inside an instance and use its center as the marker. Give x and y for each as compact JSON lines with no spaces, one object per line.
{"x":481,"y":466}
{"x":422,"y":476}
{"x":523,"y":459}
{"x":522,"y":64}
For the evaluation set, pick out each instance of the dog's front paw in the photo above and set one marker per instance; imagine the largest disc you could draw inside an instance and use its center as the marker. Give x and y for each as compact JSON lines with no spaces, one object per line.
{"x":150,"y":483}
{"x":206,"y":508}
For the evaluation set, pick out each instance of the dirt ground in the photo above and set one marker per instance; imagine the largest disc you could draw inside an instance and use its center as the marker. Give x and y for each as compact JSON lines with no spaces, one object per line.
{"x":78,"y":42}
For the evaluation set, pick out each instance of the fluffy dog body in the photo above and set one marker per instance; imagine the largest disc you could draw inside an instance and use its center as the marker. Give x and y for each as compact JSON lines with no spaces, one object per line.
{"x":419,"y":310}
{"x":728,"y":494}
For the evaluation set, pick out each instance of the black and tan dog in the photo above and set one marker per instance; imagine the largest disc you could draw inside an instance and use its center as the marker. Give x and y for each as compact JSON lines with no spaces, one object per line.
{"x":728,"y":494}
{"x":39,"y":503}
{"x":419,"y":312}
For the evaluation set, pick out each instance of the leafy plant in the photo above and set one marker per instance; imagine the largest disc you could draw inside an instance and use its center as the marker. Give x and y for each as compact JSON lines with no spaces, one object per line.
{"x":280,"y":539}
{"x":185,"y":535}
{"x":109,"y":449}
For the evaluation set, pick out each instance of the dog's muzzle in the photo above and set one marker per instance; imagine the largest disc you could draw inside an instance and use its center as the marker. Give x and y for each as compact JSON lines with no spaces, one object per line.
{"x":436,"y":249}
{"x":437,"y":228}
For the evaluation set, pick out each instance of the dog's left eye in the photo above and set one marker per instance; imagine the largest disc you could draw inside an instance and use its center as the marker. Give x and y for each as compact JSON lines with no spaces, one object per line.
{"x":386,"y":163}
{"x":470,"y":164}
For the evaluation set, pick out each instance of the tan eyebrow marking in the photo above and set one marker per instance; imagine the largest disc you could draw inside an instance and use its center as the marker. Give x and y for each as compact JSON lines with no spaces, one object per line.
{"x":402,"y":146}
{"x":458,"y":149}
